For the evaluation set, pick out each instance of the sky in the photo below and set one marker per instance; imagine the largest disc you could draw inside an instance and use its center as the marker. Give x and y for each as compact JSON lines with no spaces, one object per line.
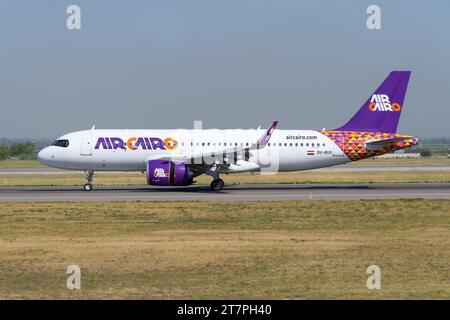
{"x":232,"y":64}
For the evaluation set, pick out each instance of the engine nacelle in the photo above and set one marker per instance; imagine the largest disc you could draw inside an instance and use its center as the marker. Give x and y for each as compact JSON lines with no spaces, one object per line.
{"x":168,"y":173}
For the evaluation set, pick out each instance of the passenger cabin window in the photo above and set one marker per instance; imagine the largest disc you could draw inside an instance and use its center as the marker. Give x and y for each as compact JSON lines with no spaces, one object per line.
{"x":61,"y":143}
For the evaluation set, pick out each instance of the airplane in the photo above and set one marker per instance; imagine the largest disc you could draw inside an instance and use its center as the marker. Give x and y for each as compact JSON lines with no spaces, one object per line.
{"x":175,"y":157}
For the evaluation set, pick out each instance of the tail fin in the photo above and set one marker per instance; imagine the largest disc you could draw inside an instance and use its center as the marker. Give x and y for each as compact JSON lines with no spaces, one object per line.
{"x":381,"y":112}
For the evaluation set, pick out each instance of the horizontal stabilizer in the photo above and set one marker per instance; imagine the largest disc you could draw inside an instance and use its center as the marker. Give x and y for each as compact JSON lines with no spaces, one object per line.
{"x":378,"y":144}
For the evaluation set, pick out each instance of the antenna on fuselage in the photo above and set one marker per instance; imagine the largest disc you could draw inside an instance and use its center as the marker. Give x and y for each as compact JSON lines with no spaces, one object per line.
{"x":93,"y":127}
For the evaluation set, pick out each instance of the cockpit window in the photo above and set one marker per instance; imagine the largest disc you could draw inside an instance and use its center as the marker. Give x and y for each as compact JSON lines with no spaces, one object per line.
{"x":61,"y":143}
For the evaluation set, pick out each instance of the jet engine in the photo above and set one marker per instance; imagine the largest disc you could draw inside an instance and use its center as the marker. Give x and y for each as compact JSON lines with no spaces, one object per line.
{"x":168,"y":173}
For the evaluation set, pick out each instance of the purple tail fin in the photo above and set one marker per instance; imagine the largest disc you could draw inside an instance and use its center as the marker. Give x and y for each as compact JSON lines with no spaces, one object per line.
{"x":381,"y":112}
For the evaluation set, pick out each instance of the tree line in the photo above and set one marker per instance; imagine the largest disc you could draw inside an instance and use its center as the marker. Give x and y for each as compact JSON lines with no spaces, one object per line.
{"x":22,"y":151}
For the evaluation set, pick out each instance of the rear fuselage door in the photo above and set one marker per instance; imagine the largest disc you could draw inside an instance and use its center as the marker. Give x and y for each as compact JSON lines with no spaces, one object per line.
{"x":86,"y":145}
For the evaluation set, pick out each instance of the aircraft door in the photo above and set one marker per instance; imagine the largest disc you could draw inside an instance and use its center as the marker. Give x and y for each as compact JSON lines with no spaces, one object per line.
{"x":86,"y":145}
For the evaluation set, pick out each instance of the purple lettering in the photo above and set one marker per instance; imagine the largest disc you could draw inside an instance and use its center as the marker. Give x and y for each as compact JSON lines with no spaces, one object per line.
{"x":140,"y":143}
{"x":157,"y":143}
{"x":109,"y":143}
{"x":117,"y":143}
{"x":147,"y":143}
{"x":101,"y":143}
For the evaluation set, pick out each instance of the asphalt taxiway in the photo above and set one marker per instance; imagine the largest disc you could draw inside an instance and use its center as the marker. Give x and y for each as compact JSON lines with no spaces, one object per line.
{"x":231,"y":193}
{"x":338,"y":168}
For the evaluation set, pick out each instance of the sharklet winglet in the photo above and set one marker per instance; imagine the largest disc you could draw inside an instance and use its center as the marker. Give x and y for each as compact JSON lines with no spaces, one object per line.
{"x":262,"y":142}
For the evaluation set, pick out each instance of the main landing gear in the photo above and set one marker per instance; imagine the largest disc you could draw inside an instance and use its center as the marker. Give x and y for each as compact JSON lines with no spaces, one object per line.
{"x":217,"y":184}
{"x":90,"y":178}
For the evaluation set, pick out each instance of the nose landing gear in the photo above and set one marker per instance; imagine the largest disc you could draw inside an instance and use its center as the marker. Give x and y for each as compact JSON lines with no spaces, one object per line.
{"x":90,"y":178}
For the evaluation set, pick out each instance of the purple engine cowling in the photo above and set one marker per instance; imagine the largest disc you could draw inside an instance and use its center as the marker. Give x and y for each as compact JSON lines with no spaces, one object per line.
{"x":168,"y":173}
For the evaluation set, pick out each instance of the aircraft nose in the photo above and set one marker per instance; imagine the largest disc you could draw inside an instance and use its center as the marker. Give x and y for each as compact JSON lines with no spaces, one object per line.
{"x":44,"y":156}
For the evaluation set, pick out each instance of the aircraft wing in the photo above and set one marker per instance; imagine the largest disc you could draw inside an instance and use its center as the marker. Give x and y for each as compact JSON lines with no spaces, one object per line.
{"x":209,"y":157}
{"x":378,"y":144}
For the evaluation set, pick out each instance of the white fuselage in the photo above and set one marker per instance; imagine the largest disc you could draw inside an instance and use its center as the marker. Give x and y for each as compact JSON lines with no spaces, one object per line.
{"x":288,"y":150}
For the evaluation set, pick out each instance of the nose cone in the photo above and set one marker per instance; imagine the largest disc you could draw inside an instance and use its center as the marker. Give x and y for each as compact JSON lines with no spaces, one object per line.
{"x":44,"y":156}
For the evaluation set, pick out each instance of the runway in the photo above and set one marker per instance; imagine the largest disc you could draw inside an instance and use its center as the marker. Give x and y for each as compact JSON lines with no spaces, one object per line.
{"x":231,"y":193}
{"x":338,"y":168}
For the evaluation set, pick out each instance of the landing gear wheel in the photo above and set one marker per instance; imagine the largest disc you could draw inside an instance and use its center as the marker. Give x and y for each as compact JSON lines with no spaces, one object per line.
{"x":221,"y":183}
{"x":89,"y":178}
{"x":216,"y":185}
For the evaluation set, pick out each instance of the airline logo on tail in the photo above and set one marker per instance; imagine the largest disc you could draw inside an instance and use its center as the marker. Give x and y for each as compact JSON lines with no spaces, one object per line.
{"x":381,"y":102}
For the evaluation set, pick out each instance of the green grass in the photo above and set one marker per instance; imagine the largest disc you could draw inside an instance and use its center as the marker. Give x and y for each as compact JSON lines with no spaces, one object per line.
{"x":21,"y":164}
{"x":220,"y":250}
{"x":435,"y":160}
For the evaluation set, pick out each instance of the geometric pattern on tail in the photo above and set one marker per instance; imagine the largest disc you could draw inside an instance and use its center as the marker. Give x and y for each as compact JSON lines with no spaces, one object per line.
{"x":353,"y":142}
